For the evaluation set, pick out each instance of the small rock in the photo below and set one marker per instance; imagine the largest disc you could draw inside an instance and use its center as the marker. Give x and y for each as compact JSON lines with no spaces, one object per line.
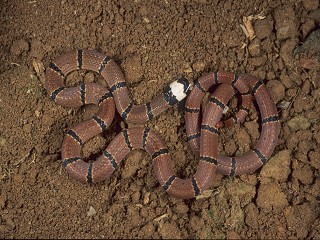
{"x":19,"y":47}
{"x":298,"y":123}
{"x":252,"y":128}
{"x":285,"y":79}
{"x":283,"y":105}
{"x":93,"y":145}
{"x":91,"y":212}
{"x":277,"y":168}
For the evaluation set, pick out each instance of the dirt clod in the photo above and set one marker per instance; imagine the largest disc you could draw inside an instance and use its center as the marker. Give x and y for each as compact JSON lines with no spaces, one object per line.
{"x":271,"y":197}
{"x":277,"y":168}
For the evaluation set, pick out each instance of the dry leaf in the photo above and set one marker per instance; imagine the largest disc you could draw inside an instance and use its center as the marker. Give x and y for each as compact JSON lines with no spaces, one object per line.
{"x":248,"y":25}
{"x":247,"y":28}
{"x":39,"y":68}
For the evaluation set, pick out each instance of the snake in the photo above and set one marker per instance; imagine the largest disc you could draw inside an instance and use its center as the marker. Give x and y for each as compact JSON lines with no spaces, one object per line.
{"x":270,"y":121}
{"x":202,"y":137}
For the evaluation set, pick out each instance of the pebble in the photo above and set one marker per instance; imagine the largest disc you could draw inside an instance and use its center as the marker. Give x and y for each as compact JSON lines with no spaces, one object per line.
{"x":91,"y":212}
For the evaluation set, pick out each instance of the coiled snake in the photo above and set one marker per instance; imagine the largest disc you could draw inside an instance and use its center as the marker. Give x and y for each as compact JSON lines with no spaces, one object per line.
{"x":202,"y":135}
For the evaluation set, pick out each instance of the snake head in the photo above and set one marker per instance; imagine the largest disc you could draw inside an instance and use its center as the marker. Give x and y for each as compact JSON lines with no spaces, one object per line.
{"x":180,"y":88}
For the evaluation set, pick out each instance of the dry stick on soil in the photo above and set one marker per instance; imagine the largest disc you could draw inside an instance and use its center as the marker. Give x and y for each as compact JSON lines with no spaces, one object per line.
{"x":294,"y":98}
{"x":161,"y":217}
{"x":23,"y":158}
{"x":16,"y":64}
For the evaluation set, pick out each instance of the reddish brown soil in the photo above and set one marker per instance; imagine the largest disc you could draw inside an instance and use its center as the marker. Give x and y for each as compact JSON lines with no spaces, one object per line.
{"x":156,"y":42}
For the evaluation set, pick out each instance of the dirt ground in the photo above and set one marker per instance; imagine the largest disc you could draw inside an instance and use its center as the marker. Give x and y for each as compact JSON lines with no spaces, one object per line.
{"x":156,"y":42}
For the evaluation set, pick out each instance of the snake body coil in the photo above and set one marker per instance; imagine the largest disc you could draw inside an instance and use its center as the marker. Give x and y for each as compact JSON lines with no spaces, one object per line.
{"x":203,"y":138}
